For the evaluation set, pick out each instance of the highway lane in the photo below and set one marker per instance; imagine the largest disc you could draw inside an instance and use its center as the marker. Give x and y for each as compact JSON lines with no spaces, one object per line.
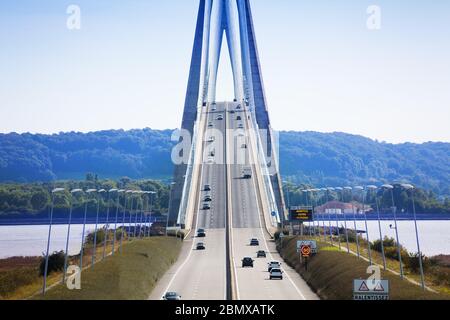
{"x":254,"y":283}
{"x":201,"y":275}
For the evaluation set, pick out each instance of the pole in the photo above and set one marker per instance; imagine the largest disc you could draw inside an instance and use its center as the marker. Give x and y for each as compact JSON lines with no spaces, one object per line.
{"x":354,"y":222}
{"x":379,"y":230}
{"x":66,"y":256}
{"x":95,"y":231}
{"x":123,"y":223}
{"x":329,"y":218}
{"x":131,"y":214}
{"x":106,"y":227}
{"x":422,"y":276}
{"x":367,"y":229}
{"x":396,"y":234}
{"x":115,"y":224}
{"x":48,"y":245}
{"x":345,"y":221}
{"x":82,"y":235}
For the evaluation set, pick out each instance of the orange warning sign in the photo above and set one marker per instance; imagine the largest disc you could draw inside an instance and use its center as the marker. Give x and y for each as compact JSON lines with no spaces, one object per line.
{"x":306,"y":251}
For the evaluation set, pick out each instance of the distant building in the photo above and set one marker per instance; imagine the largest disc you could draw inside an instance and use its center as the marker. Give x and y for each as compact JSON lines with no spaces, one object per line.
{"x":337,"y":207}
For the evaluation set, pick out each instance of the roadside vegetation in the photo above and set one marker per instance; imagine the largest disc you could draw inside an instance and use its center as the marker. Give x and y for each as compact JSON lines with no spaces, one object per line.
{"x":331,"y":272}
{"x":131,"y":275}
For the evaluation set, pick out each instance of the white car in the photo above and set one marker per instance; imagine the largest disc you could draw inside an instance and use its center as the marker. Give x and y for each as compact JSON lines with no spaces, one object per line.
{"x":276,"y":273}
{"x":211,"y":139}
{"x":273,"y":265}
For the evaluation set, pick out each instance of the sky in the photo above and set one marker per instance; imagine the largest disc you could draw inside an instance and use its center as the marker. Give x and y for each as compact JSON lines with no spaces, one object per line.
{"x":323,"y":69}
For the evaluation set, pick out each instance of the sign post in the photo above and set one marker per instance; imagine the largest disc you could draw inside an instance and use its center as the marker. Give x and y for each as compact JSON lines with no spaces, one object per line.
{"x":306,"y":253}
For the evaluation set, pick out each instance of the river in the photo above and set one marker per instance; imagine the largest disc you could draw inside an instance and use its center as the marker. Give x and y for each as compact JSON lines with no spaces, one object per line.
{"x":32,"y":240}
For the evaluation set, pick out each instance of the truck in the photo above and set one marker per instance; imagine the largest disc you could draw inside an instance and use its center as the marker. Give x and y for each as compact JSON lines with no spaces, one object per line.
{"x":247,"y":173}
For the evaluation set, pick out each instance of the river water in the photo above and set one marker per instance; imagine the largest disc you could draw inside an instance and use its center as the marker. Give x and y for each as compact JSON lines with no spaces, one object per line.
{"x":434,"y":236}
{"x":32,"y":240}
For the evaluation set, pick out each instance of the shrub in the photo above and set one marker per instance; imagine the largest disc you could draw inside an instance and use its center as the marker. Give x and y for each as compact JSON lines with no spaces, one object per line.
{"x":387,"y":242}
{"x":412,"y":262}
{"x":55,"y":263}
{"x":277,"y":234}
{"x":11,"y":280}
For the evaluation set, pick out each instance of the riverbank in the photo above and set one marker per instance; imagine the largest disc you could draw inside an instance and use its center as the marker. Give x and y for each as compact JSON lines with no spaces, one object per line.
{"x":331,"y":273}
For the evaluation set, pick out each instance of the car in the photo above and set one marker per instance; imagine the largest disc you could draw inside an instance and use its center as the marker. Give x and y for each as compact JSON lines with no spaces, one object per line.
{"x":220,"y":117}
{"x":207,"y":187}
{"x":273,"y":265}
{"x":239,"y":107}
{"x":244,"y":146}
{"x":207,"y":198}
{"x":247,"y":262}
{"x":169,"y":296}
{"x":210,"y":125}
{"x":276,"y":273}
{"x":241,"y":126}
{"x":211,"y":139}
{"x":213,"y":108}
{"x":261,"y":254}
{"x":201,"y":233}
{"x":239,"y":118}
{"x":232,"y":111}
{"x":254,"y":242}
{"x":201,"y":246}
{"x":206,"y":206}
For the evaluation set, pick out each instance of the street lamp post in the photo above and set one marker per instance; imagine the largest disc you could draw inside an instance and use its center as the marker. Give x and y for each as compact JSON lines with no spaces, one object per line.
{"x":54,"y":191}
{"x":375,"y":188}
{"x":89,"y":191}
{"x":337,"y":221}
{"x":341,"y":190}
{"x":137,"y":213}
{"x":323,"y":218}
{"x":119,"y":192}
{"x":96,"y":225}
{"x":354,"y":220}
{"x":363,"y":195}
{"x":329,"y":214}
{"x":66,"y":253}
{"x":128,"y":192}
{"x":422,"y":276}
{"x":394,"y":209}
{"x":150,"y":198}
{"x":107,"y":223}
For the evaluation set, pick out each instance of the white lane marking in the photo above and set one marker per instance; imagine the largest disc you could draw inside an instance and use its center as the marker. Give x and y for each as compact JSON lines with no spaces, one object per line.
{"x":265,"y":239}
{"x":193,"y":238}
{"x":230,"y":208}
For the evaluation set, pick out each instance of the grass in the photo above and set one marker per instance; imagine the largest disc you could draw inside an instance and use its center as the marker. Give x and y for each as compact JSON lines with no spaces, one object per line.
{"x":331,"y":273}
{"x":128,"y":276}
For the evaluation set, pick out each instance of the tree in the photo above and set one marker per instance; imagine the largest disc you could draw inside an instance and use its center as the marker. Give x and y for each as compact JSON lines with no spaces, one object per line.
{"x":39,"y":200}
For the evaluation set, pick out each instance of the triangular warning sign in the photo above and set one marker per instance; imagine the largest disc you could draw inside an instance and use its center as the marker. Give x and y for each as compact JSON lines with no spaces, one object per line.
{"x":379,"y":287}
{"x":364,"y":287}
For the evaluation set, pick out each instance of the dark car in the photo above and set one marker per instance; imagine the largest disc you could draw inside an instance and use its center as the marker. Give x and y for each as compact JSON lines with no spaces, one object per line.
{"x":207,"y":199}
{"x":261,"y":254}
{"x":201,"y":233}
{"x":207,"y":187}
{"x":239,"y":118}
{"x":238,"y":107}
{"x":201,"y":246}
{"x":254,"y":242}
{"x":232,"y":111}
{"x":247,"y":262}
{"x":171,"y":296}
{"x":206,"y":206}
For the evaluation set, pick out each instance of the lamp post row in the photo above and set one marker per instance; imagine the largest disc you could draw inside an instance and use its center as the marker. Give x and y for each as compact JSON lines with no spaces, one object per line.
{"x":88,"y":192}
{"x":365,"y":192}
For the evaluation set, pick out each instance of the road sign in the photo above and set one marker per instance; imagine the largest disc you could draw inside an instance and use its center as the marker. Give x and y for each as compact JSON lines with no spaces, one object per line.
{"x":311,"y":243}
{"x":371,"y":290}
{"x":306,"y":251}
{"x":301,"y":214}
